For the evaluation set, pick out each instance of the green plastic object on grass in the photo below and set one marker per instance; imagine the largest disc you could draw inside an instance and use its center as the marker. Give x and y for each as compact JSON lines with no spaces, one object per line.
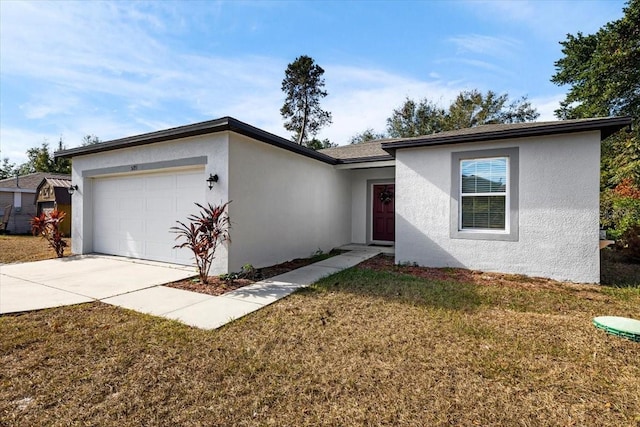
{"x":620,"y":326}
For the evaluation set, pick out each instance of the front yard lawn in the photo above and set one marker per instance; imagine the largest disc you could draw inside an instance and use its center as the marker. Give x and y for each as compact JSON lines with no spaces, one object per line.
{"x":372,"y":345}
{"x":20,"y":248}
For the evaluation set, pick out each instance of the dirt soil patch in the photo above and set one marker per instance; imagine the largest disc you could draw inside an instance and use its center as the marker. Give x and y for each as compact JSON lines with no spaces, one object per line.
{"x":386,"y":263}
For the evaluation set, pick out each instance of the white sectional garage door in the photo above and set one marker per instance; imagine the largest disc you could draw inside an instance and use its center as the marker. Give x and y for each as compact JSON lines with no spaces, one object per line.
{"x":132,"y":214}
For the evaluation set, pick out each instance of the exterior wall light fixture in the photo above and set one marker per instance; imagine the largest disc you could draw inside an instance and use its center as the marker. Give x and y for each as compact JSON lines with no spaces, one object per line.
{"x":72,"y":189}
{"x":212,"y":178}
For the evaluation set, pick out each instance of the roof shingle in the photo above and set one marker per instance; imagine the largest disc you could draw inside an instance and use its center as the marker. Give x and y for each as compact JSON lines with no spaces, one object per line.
{"x":31,"y":181}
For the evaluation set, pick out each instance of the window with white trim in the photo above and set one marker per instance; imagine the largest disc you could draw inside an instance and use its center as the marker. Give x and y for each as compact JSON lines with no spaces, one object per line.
{"x":483,"y":194}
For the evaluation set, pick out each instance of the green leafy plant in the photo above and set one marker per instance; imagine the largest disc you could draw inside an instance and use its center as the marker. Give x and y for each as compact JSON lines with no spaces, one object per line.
{"x":48,"y":226}
{"x":248,"y":271}
{"x":203,"y":233}
{"x":620,"y":209}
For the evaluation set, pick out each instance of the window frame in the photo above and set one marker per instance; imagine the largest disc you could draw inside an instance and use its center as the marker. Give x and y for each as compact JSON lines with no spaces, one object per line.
{"x":511,"y":230}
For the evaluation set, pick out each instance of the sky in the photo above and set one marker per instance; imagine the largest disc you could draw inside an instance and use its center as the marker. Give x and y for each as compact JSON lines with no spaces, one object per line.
{"x":116,"y":69}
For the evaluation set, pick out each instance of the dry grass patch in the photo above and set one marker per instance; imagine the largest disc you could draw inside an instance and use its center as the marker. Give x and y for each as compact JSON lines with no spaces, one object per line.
{"x":362,"y":347}
{"x":19,"y":248}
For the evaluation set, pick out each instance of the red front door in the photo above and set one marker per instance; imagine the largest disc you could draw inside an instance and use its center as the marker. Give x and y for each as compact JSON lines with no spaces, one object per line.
{"x":384,"y":196}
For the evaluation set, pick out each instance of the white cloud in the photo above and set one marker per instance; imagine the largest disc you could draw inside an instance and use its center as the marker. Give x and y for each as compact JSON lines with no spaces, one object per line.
{"x":362,"y":98}
{"x":551,"y":20}
{"x":486,"y":45}
{"x":52,"y":102}
{"x":546,"y":106}
{"x":16,"y":141}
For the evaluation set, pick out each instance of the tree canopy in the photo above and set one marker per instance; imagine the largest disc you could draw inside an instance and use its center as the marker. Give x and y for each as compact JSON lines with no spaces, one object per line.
{"x":303,"y":85}
{"x":90,"y":140}
{"x":603,"y":72}
{"x":414,"y":119}
{"x":41,"y":159}
{"x":7,"y":168}
{"x":469,"y":109}
{"x":602,"y":69}
{"x":366,"y":135}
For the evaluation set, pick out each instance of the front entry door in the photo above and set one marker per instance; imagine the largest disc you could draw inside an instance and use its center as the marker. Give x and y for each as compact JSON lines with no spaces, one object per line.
{"x":384,"y":212}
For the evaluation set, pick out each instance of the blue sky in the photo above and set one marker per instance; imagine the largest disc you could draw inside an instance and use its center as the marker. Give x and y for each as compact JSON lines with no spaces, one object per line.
{"x":114,"y":69}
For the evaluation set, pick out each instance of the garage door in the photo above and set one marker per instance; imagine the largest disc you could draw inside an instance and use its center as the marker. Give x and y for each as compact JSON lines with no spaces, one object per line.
{"x":132,"y":214}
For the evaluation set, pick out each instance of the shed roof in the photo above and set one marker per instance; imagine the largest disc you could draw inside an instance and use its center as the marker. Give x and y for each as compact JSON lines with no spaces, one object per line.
{"x":60,"y":188}
{"x":30,"y":182}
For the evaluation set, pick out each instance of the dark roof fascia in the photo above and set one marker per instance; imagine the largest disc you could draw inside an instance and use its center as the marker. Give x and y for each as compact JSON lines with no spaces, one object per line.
{"x":269,"y":138}
{"x":203,"y":128}
{"x":364,"y":160}
{"x":607,"y":126}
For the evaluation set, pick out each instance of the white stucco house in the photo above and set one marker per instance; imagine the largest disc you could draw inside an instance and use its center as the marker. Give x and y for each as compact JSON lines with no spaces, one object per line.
{"x":516,"y":198}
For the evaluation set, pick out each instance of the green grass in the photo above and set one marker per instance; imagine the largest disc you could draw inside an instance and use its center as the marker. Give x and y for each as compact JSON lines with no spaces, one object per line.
{"x":361,"y":347}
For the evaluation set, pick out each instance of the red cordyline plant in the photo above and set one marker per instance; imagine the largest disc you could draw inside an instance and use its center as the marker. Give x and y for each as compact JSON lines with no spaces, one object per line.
{"x":202,"y":234}
{"x":48,"y":226}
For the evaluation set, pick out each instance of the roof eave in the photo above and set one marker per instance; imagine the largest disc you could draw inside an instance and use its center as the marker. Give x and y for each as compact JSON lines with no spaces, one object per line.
{"x":203,"y":128}
{"x":606,"y":126}
{"x":365,"y":159}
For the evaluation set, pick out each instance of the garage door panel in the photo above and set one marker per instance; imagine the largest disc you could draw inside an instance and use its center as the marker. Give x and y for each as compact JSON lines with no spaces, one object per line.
{"x":132,"y":248}
{"x":131,"y":203}
{"x":129,"y":185}
{"x":133,"y":214}
{"x":159,"y":229}
{"x":159,"y":203}
{"x":133,"y":229}
{"x":108,"y":243}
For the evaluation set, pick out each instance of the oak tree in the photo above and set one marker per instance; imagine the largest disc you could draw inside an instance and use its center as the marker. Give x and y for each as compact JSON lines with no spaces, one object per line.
{"x":469,"y":109}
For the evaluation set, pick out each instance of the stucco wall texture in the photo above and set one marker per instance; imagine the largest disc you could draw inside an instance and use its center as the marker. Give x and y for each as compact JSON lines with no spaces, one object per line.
{"x":558,"y":210}
{"x":284,"y":205}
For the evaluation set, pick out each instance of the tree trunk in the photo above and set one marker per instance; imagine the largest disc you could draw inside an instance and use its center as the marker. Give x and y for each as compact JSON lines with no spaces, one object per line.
{"x":304,"y":120}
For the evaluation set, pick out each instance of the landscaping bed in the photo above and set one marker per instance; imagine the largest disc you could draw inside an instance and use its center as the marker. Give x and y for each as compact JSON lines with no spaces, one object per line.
{"x":219,"y":285}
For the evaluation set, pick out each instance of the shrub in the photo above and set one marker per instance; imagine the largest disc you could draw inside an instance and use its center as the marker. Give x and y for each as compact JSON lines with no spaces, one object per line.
{"x":48,"y":226}
{"x":248,"y":272}
{"x":204,"y":232}
{"x":620,"y":209}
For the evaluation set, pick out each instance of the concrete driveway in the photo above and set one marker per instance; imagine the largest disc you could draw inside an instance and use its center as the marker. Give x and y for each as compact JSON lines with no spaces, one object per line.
{"x":78,"y":279}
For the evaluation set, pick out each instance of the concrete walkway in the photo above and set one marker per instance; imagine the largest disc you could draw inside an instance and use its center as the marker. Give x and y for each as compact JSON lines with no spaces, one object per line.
{"x":136,"y":285}
{"x":77,"y":279}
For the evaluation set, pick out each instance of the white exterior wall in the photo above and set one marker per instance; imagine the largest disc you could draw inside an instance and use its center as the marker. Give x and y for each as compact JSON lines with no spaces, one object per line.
{"x":558,"y":210}
{"x":284,"y":205}
{"x":214,"y":147}
{"x":361,"y":208}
